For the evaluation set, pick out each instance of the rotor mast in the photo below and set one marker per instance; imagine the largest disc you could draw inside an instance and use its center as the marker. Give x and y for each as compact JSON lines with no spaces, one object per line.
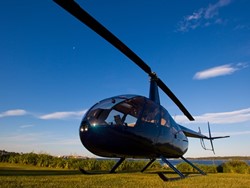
{"x":153,"y":91}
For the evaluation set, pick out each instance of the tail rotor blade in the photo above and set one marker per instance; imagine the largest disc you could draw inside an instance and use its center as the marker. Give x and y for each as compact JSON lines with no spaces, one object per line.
{"x":212,"y":145}
{"x":210,"y":138}
{"x":209,"y":130}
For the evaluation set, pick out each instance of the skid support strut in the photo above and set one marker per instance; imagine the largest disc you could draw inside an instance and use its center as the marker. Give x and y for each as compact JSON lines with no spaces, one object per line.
{"x":195,"y":167}
{"x":172,"y":166}
{"x":149,"y":163}
{"x":117,"y":165}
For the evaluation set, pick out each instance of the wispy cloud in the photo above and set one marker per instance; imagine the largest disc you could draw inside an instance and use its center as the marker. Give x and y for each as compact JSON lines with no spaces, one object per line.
{"x":236,"y":116}
{"x":242,"y":27}
{"x":30,"y":137}
{"x":55,"y":115}
{"x":63,"y":115}
{"x":203,"y":17}
{"x":15,"y":112}
{"x":26,"y":126}
{"x":219,"y":71}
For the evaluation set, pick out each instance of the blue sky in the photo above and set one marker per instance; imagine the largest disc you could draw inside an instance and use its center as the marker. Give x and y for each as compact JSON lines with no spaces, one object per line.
{"x":53,"y":68}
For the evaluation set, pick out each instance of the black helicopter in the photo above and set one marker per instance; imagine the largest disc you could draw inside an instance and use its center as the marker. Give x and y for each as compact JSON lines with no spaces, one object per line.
{"x":133,"y":126}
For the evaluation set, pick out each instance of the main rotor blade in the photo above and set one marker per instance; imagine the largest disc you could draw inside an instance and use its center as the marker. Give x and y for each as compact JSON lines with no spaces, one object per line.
{"x":73,"y":8}
{"x":174,"y":98}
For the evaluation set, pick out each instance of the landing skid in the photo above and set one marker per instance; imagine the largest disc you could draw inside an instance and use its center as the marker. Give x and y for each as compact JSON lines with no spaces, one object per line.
{"x":92,"y":172}
{"x":195,"y":167}
{"x":148,"y":164}
{"x":117,"y":165}
{"x":177,"y":171}
{"x":111,"y":171}
{"x":173,"y":167}
{"x":83,"y":171}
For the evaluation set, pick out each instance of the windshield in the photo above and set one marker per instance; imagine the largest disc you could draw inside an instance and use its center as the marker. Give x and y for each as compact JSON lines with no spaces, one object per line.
{"x":117,"y":111}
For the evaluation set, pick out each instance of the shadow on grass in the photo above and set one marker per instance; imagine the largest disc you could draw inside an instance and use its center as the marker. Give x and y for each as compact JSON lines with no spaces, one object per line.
{"x":172,"y":176}
{"x":164,"y":175}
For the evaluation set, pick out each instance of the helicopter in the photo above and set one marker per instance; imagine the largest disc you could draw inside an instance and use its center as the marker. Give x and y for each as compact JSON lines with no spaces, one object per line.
{"x":134,"y":126}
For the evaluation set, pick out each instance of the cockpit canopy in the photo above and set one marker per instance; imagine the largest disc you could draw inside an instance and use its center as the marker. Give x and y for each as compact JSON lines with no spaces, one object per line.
{"x":126,"y":110}
{"x":116,"y":111}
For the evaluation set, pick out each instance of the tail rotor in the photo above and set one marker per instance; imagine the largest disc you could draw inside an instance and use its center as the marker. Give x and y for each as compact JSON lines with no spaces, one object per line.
{"x":210,"y":138}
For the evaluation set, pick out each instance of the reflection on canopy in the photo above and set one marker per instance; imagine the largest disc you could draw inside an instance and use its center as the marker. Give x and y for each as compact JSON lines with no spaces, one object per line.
{"x":126,"y":111}
{"x":121,"y":110}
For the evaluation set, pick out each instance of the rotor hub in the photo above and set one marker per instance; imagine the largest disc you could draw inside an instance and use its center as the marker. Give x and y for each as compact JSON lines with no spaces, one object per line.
{"x":153,"y":76}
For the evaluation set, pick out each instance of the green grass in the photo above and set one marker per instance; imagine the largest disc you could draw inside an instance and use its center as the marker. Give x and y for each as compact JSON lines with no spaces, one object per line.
{"x":15,"y":175}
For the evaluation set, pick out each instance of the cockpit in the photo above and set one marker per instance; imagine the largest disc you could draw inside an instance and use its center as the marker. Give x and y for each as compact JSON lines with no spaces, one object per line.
{"x":126,"y":110}
{"x":120,"y":110}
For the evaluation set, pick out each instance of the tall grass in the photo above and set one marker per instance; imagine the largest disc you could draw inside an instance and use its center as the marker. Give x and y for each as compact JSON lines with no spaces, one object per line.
{"x":184,"y":167}
{"x":231,"y":166}
{"x":45,"y":160}
{"x":234,"y":166}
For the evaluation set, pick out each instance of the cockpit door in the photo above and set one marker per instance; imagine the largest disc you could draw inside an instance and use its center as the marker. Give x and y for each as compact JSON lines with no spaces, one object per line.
{"x":148,"y":123}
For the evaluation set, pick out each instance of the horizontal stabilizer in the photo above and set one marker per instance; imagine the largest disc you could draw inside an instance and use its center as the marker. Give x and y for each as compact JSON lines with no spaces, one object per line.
{"x":194,"y":134}
{"x":191,"y":133}
{"x":218,"y":137}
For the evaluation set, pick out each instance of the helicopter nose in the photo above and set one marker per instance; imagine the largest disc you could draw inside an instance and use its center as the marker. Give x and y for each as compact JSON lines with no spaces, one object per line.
{"x":84,"y":126}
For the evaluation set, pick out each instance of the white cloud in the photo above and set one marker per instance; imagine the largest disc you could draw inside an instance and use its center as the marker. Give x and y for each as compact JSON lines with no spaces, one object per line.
{"x":16,"y":112}
{"x":63,"y":115}
{"x":236,"y":116}
{"x":219,"y":71}
{"x":54,"y":115}
{"x":212,"y":10}
{"x":203,"y":17}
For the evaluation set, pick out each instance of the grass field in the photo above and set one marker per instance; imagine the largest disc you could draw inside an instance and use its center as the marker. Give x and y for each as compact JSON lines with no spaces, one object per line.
{"x":15,"y":175}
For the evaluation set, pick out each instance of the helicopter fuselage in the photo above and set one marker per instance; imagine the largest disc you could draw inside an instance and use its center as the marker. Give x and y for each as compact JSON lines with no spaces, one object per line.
{"x":131,"y":126}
